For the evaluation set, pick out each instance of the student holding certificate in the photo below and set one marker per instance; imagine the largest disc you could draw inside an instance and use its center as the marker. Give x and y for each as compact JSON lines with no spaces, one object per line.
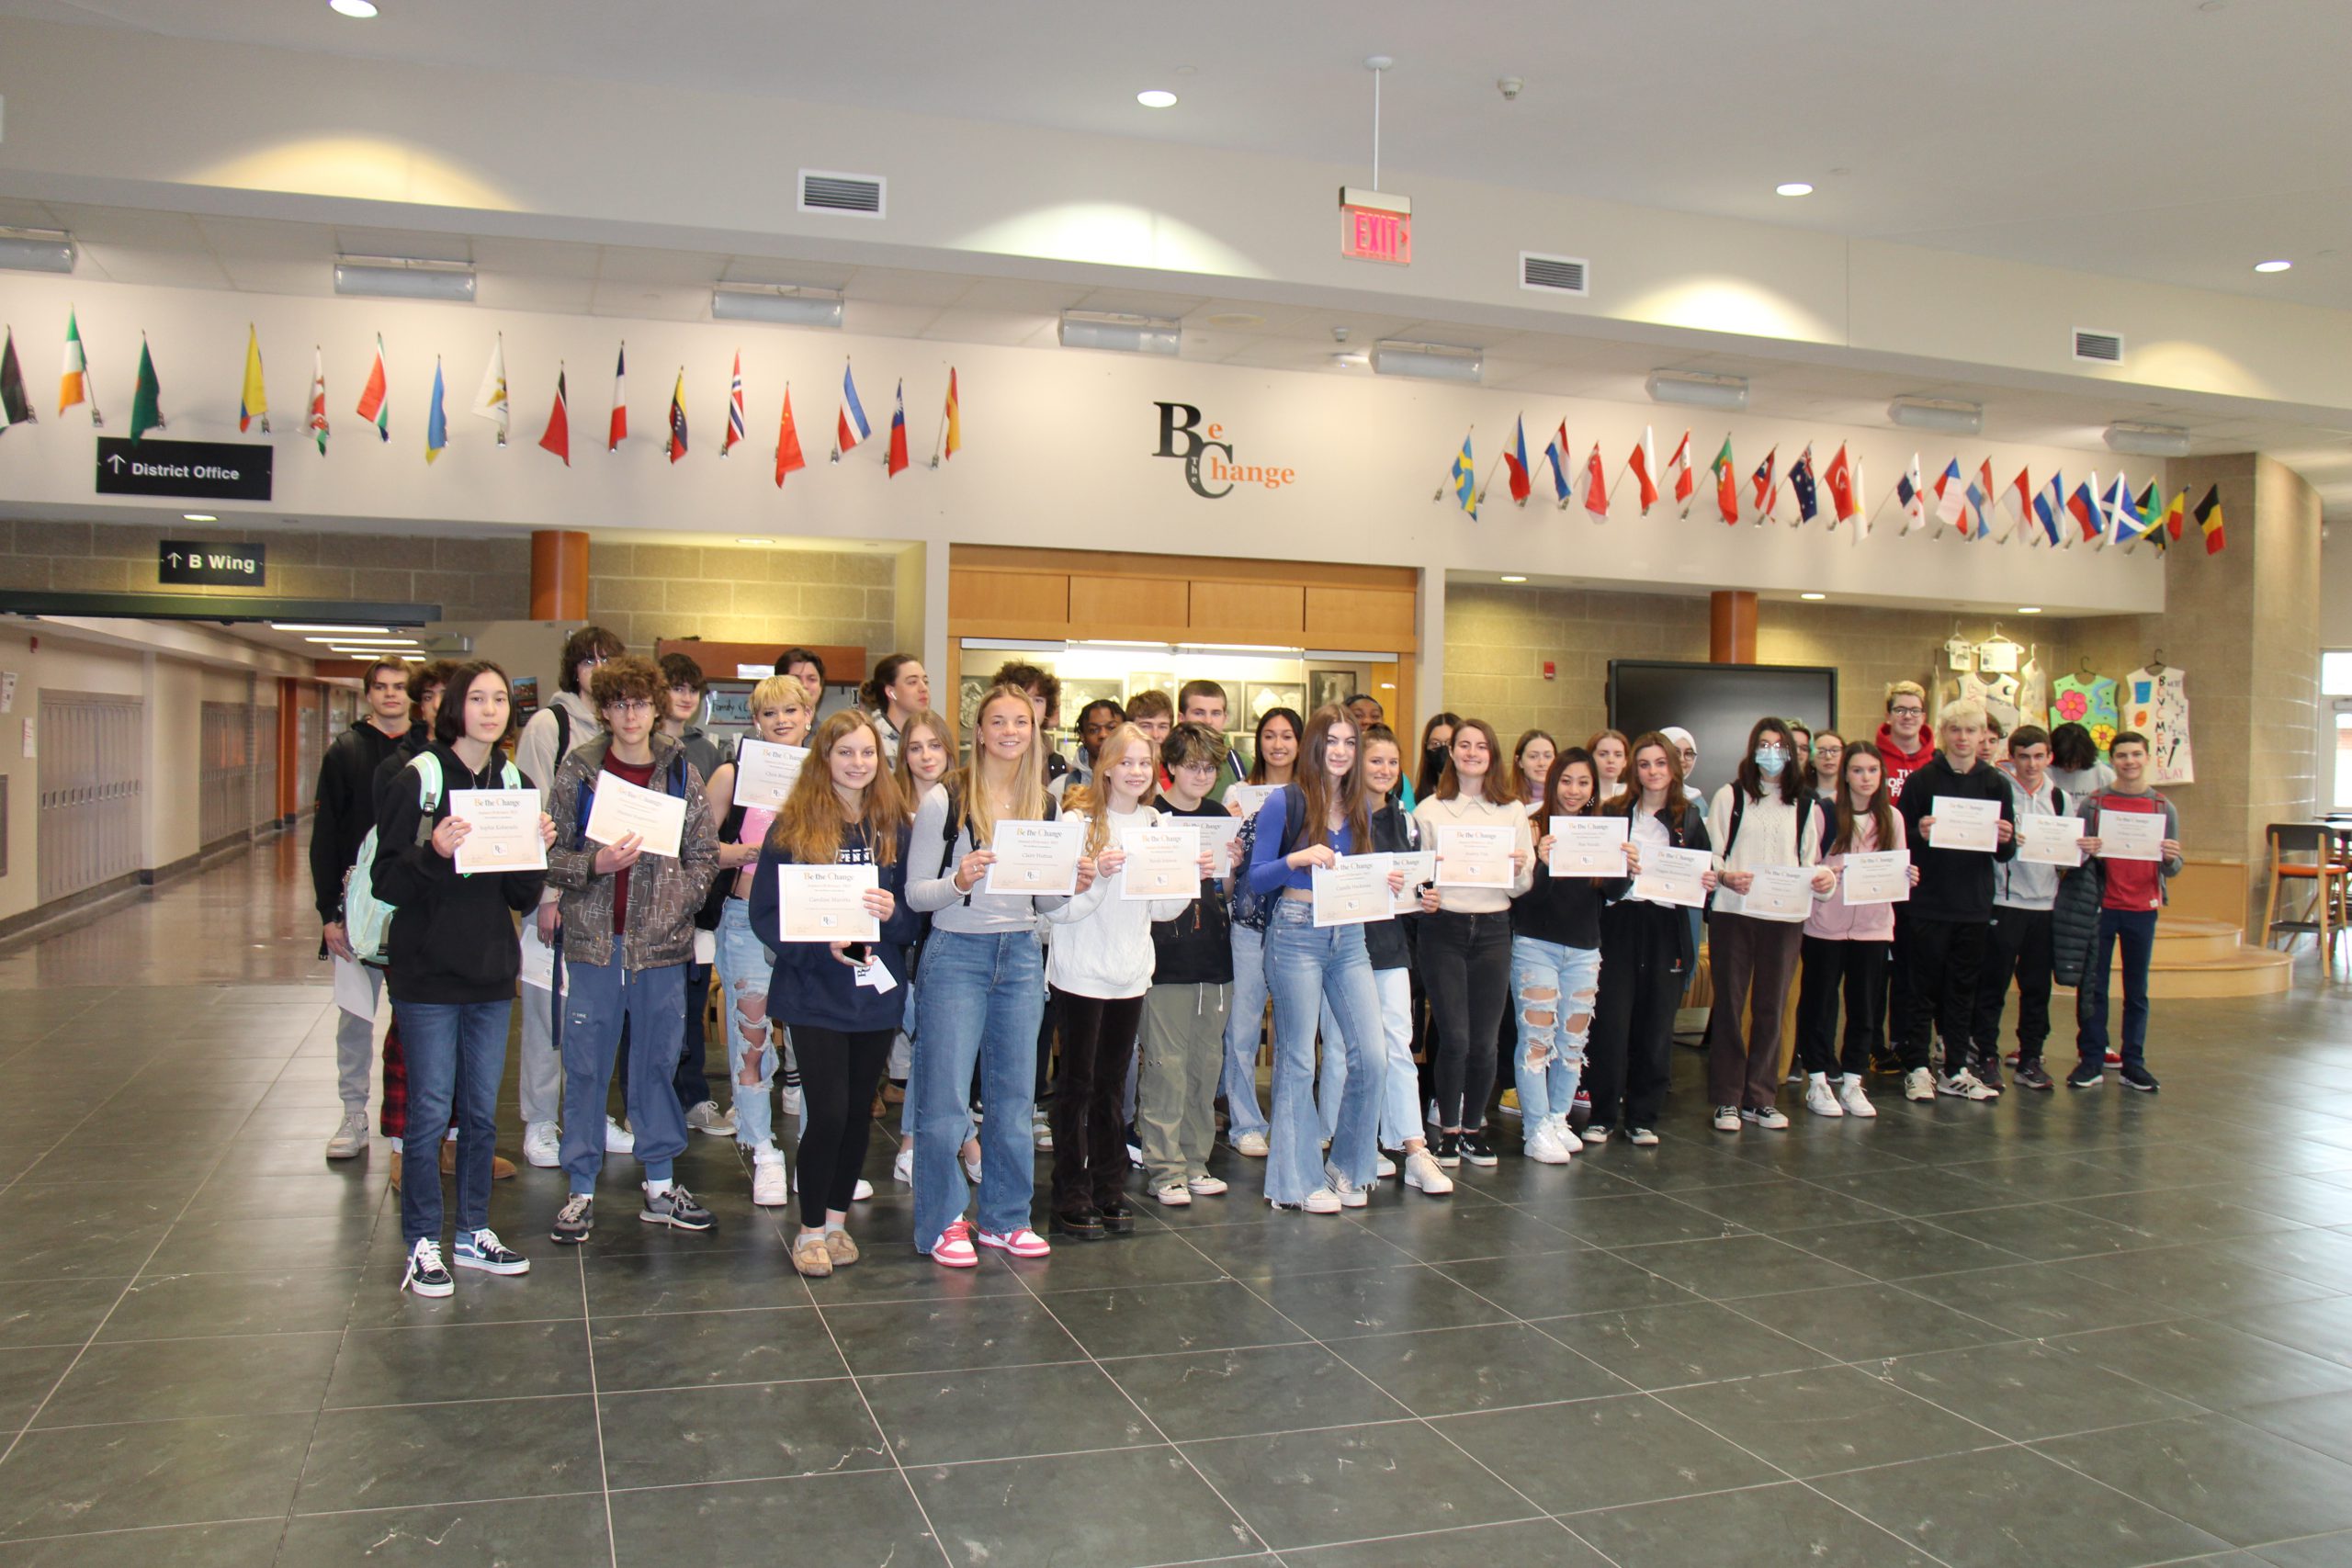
{"x":453,"y":966}
{"x":628,"y":933}
{"x":1845,"y":947}
{"x":926,"y":752}
{"x":1770,"y":822}
{"x":1950,"y":912}
{"x":839,"y":998}
{"x":1465,"y":940}
{"x":1273,"y":758}
{"x":2131,"y":892}
{"x":2019,"y":943}
{"x":1555,"y":968}
{"x":1183,"y":1032}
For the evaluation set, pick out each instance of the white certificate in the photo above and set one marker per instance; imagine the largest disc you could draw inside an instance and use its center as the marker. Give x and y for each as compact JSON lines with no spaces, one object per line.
{"x":1418,"y":866}
{"x":539,"y":959}
{"x":1779,"y":893}
{"x":1589,"y":846}
{"x":1035,"y":859}
{"x":1670,"y":875}
{"x":2050,"y":840}
{"x":1964,"y":824}
{"x":825,"y":903}
{"x":765,"y":773}
{"x":1217,"y":834}
{"x":1162,"y":863}
{"x":1249,"y":797}
{"x":504,"y":830}
{"x":654,"y":816}
{"x":1475,"y":856}
{"x":2131,"y":835}
{"x":1353,"y":892}
{"x":1880,"y":878}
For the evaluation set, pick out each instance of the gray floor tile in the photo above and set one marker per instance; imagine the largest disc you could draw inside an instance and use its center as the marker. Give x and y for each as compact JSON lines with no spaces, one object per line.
{"x":1531,"y":1543}
{"x":169,"y":1307}
{"x":1220,"y":1315}
{"x":1332,"y":1305}
{"x":1647,"y":1217}
{"x":1598,"y":1453}
{"x":534,"y":1532}
{"x":1145,"y":1258}
{"x":1000,"y":1511}
{"x":406,"y":1455}
{"x":1446,"y":1371}
{"x":2318,"y":1327}
{"x":1865,"y":1322}
{"x":988,"y":1331}
{"x":742,"y":1432}
{"x":1756,"y":1526}
{"x":1006,"y":1412}
{"x":867,"y":1517}
{"x":54,"y":1312}
{"x":1827,"y":1418}
{"x":167,"y":1546}
{"x":1899,"y":1249}
{"x":1553,"y":1284}
{"x":488,"y":1361}
{"x":169,"y":1379}
{"x":1308,"y":1488}
{"x":2029,"y":1389}
{"x":2196,"y":1278}
{"x":694,"y":1349}
{"x":1439,"y":1232}
{"x":1275,"y":1387}
{"x":2212,"y":1365}
{"x":2038,"y":1298}
{"x":1669,"y":1345}
{"x":1294,"y":1244}
{"x":27,"y":1376}
{"x":2237,"y":1482}
{"x":1733,"y":1267}
{"x":79,"y":1479}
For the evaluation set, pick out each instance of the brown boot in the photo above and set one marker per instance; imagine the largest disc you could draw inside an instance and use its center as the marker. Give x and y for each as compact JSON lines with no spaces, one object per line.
{"x":398,"y":1161}
{"x":500,"y":1167}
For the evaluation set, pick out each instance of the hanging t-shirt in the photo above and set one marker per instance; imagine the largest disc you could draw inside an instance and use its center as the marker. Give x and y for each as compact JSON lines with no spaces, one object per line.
{"x":2090,"y":703}
{"x":2156,"y":704}
{"x":2034,"y":688}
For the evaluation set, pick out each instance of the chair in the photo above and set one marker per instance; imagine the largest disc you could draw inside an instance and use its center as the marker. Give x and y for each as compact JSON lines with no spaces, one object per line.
{"x":2317,"y":863}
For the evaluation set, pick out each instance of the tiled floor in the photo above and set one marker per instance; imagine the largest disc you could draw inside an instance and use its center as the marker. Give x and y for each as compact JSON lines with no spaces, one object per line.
{"x":2086,"y":1329}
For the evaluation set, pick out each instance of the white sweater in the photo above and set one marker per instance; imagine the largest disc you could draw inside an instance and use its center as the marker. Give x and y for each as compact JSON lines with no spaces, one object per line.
{"x":1101,"y":944}
{"x":1464,"y":810}
{"x":1772,"y":833}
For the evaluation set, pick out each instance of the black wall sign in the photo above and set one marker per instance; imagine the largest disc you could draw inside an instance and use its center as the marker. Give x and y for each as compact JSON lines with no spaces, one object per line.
{"x":209,"y":470}
{"x":190,"y":561}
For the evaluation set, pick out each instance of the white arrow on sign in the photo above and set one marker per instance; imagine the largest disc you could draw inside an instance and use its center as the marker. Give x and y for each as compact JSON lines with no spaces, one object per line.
{"x":115,"y":462}
{"x":174,"y":558}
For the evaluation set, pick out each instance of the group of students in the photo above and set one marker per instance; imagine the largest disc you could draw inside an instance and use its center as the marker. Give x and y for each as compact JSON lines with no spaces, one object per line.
{"x":1386,"y":1036}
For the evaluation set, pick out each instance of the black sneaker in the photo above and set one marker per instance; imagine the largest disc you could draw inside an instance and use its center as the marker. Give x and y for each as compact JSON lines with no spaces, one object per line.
{"x":676,"y":1208}
{"x":1080,"y":1224}
{"x":427,"y":1274}
{"x":2030,"y":1074}
{"x":1117,"y":1218}
{"x":1449,"y":1150}
{"x":1885,"y":1065}
{"x":2087,"y":1075}
{"x":1988,"y":1071}
{"x":574,"y":1220}
{"x":1477,"y":1150}
{"x":2135,"y":1074}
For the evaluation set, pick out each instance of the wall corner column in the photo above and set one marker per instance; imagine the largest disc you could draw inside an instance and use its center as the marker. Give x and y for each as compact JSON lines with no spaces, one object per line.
{"x":559,"y":575}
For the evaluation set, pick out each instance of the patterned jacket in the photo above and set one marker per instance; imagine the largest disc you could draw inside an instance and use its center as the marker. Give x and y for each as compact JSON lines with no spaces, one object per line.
{"x":664,"y":893}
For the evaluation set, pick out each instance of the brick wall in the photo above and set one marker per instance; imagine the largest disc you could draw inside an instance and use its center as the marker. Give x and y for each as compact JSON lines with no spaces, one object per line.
{"x":649,"y":592}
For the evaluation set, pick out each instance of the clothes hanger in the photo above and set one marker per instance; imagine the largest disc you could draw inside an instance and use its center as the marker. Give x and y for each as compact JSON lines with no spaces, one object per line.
{"x":2156,"y":665}
{"x":2084,"y":671}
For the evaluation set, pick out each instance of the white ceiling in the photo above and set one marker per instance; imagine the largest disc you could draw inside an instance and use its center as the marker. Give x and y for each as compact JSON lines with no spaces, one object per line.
{"x":2178,"y":141}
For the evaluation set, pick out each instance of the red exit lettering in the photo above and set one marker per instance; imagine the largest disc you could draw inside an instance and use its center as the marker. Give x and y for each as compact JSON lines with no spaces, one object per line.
{"x":1369,"y":234}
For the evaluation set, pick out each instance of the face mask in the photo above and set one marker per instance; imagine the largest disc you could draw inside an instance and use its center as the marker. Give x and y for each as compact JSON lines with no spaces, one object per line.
{"x":1769,"y":761}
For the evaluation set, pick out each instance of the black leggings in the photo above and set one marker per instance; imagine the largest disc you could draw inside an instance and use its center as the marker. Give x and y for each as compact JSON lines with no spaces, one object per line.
{"x":839,"y":1072}
{"x":1466,"y":963}
{"x":1641,"y":981}
{"x":1089,"y":1134}
{"x":1857,"y":969}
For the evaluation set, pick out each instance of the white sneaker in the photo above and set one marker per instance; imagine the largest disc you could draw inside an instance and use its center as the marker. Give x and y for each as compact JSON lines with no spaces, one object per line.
{"x":1322,"y":1201}
{"x":1594,"y":1134}
{"x":707,"y":1118}
{"x":1918,"y":1084}
{"x":1250,"y":1144}
{"x":1351,"y":1195}
{"x":792,"y":1101}
{"x":771,"y":1178}
{"x":857,"y":1194}
{"x":543,"y":1145}
{"x":1642,"y":1138}
{"x":1726,"y":1118}
{"x":972,"y":1170}
{"x":904,"y":1167}
{"x":1175,"y":1195}
{"x":618,"y":1140}
{"x":1543,"y":1146}
{"x":350,"y":1138}
{"x":1965,"y":1085}
{"x":1041,"y":1134}
{"x":1820,"y":1098}
{"x":1206,"y":1186}
{"x":1770,"y":1118}
{"x":1850,"y":1095}
{"x":1382,"y":1167}
{"x":1423,"y":1170}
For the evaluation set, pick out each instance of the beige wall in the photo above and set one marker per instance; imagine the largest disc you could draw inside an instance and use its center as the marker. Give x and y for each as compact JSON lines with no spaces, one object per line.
{"x":649,"y":592}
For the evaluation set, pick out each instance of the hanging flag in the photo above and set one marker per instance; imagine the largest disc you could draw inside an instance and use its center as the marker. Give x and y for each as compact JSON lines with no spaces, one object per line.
{"x":1979,"y":497}
{"x":437,"y":418}
{"x":14,"y":408}
{"x":1762,"y":477}
{"x":1515,"y":461}
{"x":2125,"y":523}
{"x":317,"y":424}
{"x":897,"y":462}
{"x":2151,"y":517}
{"x":734,"y":407}
{"x":74,"y":383}
{"x":616,"y":428}
{"x":1596,"y":487}
{"x":2083,"y":507}
{"x":2174,"y":512}
{"x":253,"y":403}
{"x":1556,"y":454}
{"x":678,"y":417}
{"x":1726,"y":487}
{"x":1909,"y":490}
{"x":147,"y":397}
{"x":849,"y":424}
{"x":1644,"y":463}
{"x":2049,"y":507}
{"x":1862,"y":512}
{"x":556,"y":437}
{"x":1952,"y":498}
{"x":1801,"y":485}
{"x":1839,"y":477}
{"x":1680,"y":466}
{"x":1466,"y":479}
{"x":2017,"y":505}
{"x":2209,"y":518}
{"x":787,"y":442}
{"x":954,"y":442}
{"x":375,"y":404}
{"x":489,"y":398}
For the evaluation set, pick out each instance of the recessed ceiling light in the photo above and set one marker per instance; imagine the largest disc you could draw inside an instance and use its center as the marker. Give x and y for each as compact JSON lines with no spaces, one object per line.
{"x":755,"y":541}
{"x":1236,"y":318}
{"x":2272,"y":265}
{"x":358,"y":11}
{"x":198,"y":517}
{"x":1813,"y":595}
{"x":2029,"y":609}
{"x":1157,"y":98}
{"x":1514,"y":579}
{"x":327,"y":626}
{"x":1793,"y":187}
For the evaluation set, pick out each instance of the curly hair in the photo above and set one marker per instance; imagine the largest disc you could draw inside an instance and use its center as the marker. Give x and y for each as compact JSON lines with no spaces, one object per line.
{"x":631,"y":675}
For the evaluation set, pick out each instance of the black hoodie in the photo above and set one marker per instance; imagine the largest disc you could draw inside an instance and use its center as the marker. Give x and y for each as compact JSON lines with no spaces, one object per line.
{"x":346,"y":802}
{"x":1196,"y":947}
{"x":1954,"y":885}
{"x":453,"y":937}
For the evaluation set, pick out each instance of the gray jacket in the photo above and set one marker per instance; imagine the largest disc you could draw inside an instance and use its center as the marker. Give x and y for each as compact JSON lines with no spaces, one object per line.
{"x":664,"y":893}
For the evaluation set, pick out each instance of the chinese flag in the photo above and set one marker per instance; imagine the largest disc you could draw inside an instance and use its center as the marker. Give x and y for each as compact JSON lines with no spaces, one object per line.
{"x":787,"y":443}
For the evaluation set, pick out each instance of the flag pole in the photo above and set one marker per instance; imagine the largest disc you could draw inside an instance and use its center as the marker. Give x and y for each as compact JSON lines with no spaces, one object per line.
{"x":939,"y":441}
{"x":1490,"y":479}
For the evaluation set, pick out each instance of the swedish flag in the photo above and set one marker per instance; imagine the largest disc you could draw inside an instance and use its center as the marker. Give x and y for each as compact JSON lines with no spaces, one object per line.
{"x":1466,"y":479}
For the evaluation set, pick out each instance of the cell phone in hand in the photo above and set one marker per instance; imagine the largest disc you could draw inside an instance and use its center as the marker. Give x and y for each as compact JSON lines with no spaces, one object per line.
{"x":858,"y":952}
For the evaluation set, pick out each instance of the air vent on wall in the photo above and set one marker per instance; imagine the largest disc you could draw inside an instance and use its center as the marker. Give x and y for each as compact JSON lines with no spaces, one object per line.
{"x":2100,"y":348}
{"x":1556,"y":274}
{"x":855,"y":196}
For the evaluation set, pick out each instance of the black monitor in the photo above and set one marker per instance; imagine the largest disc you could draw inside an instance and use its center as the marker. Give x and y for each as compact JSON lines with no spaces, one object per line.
{"x":1718,"y":703}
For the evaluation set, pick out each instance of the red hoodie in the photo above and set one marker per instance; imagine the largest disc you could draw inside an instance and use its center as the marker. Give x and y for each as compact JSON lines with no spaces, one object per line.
{"x":1902,"y":764}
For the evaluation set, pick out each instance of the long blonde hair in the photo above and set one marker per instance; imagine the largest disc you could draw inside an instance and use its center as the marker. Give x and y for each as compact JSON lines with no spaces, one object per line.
{"x":1094,"y":799}
{"x":808,"y":829}
{"x":1028,"y":798}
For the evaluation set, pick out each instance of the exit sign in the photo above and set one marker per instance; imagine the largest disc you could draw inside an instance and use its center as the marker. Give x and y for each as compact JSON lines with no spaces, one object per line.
{"x":1376,"y":227}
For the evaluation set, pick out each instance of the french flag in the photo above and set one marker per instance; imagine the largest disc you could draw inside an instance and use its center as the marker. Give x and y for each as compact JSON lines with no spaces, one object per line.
{"x":2050,"y":506}
{"x":850,"y":427}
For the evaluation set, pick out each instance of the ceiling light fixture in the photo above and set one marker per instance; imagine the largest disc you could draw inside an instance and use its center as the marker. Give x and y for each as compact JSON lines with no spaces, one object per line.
{"x":755,"y":541}
{"x":36,"y":250}
{"x":1946,"y":414}
{"x":1157,"y":98}
{"x":198,"y":517}
{"x":2141,"y":440}
{"x":1127,"y":333}
{"x":1813,"y":596}
{"x":1346,"y":360}
{"x":2273,"y":265}
{"x":347,"y":640}
{"x":779,"y":304}
{"x":327,"y":626}
{"x":406,"y":277}
{"x":2029,"y":609}
{"x":1697,"y":389}
{"x":1513,"y":577}
{"x":1792,"y":187}
{"x":1429,"y":361}
{"x":358,"y":11}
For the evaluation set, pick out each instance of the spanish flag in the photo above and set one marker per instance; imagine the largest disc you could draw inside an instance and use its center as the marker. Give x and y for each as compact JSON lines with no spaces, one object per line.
{"x":954,"y":417}
{"x":2209,"y":518}
{"x":254,"y":403}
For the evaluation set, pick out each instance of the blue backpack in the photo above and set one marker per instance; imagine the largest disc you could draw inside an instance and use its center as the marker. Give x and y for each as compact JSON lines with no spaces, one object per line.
{"x":1251,"y":908}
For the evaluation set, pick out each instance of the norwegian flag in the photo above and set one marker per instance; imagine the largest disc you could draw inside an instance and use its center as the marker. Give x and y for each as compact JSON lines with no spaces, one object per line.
{"x":734,"y":407}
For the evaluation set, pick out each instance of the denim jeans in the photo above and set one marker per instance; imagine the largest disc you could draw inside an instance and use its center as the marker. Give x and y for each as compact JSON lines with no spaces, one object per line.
{"x":1400,"y":1100}
{"x":456,"y":1054}
{"x":2135,"y":930}
{"x":982,"y":996}
{"x":596,"y":997}
{"x":744,"y":968}
{"x":1551,"y":1055}
{"x":1242,"y":1021}
{"x":1306,"y":966}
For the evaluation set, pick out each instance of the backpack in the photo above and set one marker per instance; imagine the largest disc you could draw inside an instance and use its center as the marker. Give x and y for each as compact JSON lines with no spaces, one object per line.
{"x":951,"y":828}
{"x":368,"y":920}
{"x":1251,"y":908}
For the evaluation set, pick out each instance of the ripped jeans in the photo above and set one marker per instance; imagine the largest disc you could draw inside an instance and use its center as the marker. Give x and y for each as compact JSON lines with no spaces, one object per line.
{"x":1551,"y":1031}
{"x":744,"y":969}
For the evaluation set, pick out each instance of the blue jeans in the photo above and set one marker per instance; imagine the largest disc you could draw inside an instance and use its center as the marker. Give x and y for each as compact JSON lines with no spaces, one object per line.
{"x":1559,"y":984}
{"x":1401,"y":1109}
{"x":1305,"y":967}
{"x":596,"y":997}
{"x":2136,"y":931}
{"x":456,"y":1054}
{"x":982,"y":996}
{"x":745,"y":968}
{"x":1242,"y":1021}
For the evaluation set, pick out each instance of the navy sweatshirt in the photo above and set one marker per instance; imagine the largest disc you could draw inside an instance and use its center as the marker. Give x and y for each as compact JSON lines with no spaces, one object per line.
{"x":811,"y":986}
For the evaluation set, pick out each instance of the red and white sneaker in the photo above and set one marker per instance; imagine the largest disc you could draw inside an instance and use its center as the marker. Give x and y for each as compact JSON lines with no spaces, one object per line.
{"x":954,"y":1247}
{"x":1022,"y":1242}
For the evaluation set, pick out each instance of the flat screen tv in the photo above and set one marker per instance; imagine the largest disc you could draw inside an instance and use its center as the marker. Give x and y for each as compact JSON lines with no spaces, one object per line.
{"x":1718,"y":703}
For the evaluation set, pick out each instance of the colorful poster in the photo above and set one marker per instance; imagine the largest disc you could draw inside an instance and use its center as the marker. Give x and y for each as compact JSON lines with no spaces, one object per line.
{"x":2156,"y":704}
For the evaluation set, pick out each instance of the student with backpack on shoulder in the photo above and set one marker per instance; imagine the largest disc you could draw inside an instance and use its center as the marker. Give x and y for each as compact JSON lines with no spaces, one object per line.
{"x":1273,"y":758}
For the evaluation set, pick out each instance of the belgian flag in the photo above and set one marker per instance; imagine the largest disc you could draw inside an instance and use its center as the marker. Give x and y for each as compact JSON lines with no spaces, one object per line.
{"x":2209,"y":518}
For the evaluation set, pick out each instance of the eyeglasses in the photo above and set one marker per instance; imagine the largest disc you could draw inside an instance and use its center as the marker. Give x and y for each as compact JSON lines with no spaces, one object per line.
{"x":1909,"y":712}
{"x":633,"y":705}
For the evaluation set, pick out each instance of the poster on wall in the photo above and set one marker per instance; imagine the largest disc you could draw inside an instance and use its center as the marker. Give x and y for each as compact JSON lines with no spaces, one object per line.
{"x":2155,"y":704}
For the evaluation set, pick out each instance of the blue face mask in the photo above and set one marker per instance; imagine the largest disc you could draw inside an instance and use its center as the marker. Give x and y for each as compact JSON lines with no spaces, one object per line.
{"x":1769,"y":761}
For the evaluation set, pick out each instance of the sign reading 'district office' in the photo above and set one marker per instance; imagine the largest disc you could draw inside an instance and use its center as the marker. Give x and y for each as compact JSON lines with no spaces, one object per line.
{"x":208,"y":470}
{"x":191,"y":563}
